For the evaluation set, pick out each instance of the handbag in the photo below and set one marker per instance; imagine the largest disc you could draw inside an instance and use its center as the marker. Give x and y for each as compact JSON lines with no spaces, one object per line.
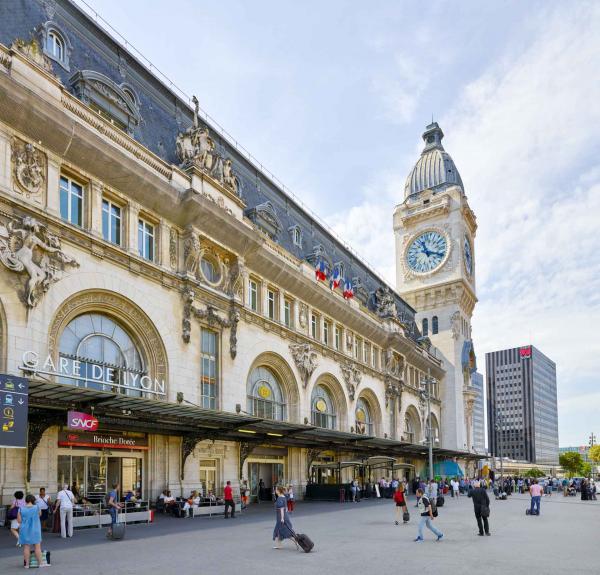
{"x":13,"y":513}
{"x":485,"y":511}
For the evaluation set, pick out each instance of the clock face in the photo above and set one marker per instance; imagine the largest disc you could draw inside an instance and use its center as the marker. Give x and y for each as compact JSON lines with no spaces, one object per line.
{"x":427,"y":252}
{"x":468,"y":256}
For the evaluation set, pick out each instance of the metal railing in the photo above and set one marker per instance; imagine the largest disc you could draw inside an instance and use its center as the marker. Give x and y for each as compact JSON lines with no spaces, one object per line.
{"x":152,"y":69}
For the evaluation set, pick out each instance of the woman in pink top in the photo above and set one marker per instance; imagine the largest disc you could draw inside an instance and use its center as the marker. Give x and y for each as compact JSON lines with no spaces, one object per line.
{"x":18,"y":502}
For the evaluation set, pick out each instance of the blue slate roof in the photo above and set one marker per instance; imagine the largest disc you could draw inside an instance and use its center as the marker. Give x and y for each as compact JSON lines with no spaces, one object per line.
{"x":164,"y":115}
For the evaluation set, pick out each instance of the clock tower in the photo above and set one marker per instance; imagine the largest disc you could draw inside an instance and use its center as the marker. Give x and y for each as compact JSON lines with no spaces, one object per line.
{"x":434,"y":230}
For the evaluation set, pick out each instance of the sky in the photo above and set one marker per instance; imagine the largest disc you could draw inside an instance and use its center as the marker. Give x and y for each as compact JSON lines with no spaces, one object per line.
{"x":333,"y":98}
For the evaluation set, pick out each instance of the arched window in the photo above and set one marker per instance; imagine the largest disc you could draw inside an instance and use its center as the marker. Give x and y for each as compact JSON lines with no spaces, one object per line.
{"x":323,"y":410}
{"x":100,"y":354}
{"x":265,"y":398}
{"x":363,"y":419}
{"x":425,"y":329}
{"x":434,"y":324}
{"x":55,"y":45}
{"x":210,"y":269}
{"x":409,"y":429}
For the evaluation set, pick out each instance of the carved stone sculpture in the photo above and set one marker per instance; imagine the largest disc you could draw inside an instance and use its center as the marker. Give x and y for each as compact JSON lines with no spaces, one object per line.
{"x":195,"y":148}
{"x":173,"y":248}
{"x":385,"y":304}
{"x":192,"y":253}
{"x":352,"y":377}
{"x":303,"y":315}
{"x":29,"y":167}
{"x":393,"y":389}
{"x":30,"y":248}
{"x":305,"y":358}
{"x":455,"y":323}
{"x":235,"y":277}
{"x":32,"y":51}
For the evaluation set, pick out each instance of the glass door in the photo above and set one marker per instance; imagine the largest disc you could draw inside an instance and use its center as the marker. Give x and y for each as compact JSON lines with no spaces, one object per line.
{"x":253,"y":469}
{"x":131,"y":475}
{"x":96,"y":478}
{"x":209,"y":477}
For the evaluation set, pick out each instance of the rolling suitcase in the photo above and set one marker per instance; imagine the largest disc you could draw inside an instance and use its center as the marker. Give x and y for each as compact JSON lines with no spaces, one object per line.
{"x":406,"y":517}
{"x":440,"y":501}
{"x":304,"y":542}
{"x":118,"y":531}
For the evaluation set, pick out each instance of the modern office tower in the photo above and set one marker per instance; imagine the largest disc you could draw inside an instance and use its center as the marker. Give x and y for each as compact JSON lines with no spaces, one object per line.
{"x":478,"y":414}
{"x":522,"y":406}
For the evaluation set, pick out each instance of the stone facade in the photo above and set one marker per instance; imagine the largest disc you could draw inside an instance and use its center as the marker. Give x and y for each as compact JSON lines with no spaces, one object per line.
{"x":185,"y":260}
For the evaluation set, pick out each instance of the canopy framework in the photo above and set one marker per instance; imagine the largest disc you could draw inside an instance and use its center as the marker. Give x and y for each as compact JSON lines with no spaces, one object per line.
{"x":158,"y":416}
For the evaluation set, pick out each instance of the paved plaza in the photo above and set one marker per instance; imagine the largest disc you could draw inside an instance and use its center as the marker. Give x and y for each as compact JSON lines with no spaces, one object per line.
{"x":357,"y":538}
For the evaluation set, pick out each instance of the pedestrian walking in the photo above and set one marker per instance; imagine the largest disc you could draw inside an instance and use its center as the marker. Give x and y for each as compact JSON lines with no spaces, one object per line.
{"x":64,"y":503}
{"x":481,"y":506}
{"x":426,"y":511}
{"x":112,"y":502}
{"x":455,"y":488}
{"x":244,"y":493}
{"x":353,"y":488}
{"x":283,"y":526}
{"x":30,"y":531}
{"x":536,"y":496}
{"x":228,"y":496}
{"x":400,"y":500}
{"x":13,"y":514}
{"x":291,"y":502}
{"x":44,"y":503}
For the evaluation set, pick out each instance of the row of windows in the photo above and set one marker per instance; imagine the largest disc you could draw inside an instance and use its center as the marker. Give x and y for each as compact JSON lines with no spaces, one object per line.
{"x":326,"y":332}
{"x":72,"y":203}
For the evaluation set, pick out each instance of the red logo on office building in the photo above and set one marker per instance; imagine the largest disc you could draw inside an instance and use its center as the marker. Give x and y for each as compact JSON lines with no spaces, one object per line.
{"x":525,"y":352}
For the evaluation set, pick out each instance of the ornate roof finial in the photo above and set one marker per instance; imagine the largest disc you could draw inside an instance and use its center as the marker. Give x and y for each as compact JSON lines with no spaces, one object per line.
{"x":432,"y":136}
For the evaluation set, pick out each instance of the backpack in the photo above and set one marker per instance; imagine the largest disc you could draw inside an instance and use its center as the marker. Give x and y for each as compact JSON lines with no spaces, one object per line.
{"x":434,"y":507}
{"x":13,"y":513}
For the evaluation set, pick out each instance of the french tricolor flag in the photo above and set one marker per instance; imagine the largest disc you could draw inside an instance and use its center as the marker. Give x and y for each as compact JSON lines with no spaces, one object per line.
{"x":336,"y":279}
{"x":321,"y":271}
{"x":348,"y":290}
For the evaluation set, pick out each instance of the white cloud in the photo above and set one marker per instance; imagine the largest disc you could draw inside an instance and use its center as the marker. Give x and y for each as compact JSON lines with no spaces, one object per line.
{"x":524,"y":137}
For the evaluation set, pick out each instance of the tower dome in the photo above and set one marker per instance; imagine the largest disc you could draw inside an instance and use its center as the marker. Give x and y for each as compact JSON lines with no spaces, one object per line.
{"x":435,"y":168}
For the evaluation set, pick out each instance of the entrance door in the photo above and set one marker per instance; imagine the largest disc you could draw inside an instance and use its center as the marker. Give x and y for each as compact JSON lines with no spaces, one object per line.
{"x":131,"y":474}
{"x":208,"y":476}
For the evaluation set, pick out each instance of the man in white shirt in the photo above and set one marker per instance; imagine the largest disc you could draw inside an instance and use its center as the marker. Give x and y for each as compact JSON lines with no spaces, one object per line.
{"x":64,"y":500}
{"x":455,"y":488}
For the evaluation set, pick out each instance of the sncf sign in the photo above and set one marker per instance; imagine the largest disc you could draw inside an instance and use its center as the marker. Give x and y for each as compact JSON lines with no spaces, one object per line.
{"x":84,"y":421}
{"x":525,"y":352}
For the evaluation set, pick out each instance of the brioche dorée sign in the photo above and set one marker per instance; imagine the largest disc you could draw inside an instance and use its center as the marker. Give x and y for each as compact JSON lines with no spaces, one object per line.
{"x":83,"y":421}
{"x":101,"y":440}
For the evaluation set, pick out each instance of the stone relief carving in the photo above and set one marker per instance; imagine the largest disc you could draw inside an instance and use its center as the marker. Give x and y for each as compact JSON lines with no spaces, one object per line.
{"x":32,"y":51}
{"x":196,"y":148}
{"x":29,"y":167}
{"x":455,"y":323}
{"x":348,"y":341}
{"x":305,"y":358}
{"x":393,"y":389}
{"x":303,"y":315}
{"x":385,"y":304}
{"x":212,"y":316}
{"x":393,"y":364}
{"x":235,"y":278}
{"x":28,"y":247}
{"x":352,"y":377}
{"x":191,"y":254}
{"x":173,"y":248}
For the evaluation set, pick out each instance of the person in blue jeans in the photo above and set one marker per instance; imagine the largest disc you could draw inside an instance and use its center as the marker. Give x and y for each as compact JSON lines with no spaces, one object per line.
{"x":536,"y":495}
{"x":426,"y":512}
{"x":113,"y":507}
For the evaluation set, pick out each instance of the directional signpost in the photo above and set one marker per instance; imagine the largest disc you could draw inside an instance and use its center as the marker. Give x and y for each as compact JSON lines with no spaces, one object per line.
{"x":14,"y":393}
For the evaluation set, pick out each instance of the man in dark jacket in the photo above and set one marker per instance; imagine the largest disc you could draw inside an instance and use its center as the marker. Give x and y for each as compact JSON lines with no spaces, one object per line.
{"x":481,"y":505}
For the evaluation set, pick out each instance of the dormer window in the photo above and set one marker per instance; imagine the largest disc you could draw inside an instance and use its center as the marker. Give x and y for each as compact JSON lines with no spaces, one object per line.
{"x":296,"y":234}
{"x":55,"y":43}
{"x":116,"y":104}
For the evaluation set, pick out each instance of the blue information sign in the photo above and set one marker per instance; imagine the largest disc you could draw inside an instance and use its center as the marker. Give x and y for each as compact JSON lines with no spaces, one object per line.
{"x":13,"y":410}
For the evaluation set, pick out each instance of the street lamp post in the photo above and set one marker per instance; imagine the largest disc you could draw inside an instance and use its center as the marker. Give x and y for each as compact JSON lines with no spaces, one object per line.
{"x":426,"y":394}
{"x":499,"y":428}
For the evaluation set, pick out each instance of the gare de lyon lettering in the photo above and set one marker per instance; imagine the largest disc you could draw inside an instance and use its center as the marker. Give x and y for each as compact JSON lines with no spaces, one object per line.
{"x":88,"y":372}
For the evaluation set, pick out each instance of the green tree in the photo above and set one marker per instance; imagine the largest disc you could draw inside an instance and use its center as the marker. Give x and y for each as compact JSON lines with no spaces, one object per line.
{"x":534,"y":472}
{"x":571,"y":462}
{"x":594,"y":453}
{"x":586,"y":469}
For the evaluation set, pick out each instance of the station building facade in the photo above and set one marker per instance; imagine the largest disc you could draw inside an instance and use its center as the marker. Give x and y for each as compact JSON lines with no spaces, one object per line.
{"x":155,"y":278}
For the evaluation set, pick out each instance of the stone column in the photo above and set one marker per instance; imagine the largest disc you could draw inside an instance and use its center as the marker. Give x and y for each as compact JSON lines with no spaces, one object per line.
{"x":162,"y":249}
{"x":95,"y":208}
{"x":133,"y":213}
{"x":53,"y":190}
